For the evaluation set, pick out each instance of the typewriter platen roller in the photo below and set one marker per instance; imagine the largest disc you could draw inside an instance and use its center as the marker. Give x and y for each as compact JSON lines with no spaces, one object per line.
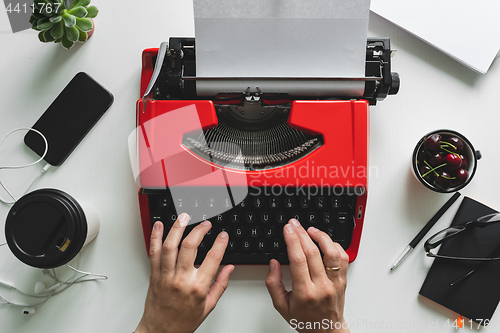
{"x":293,"y":156}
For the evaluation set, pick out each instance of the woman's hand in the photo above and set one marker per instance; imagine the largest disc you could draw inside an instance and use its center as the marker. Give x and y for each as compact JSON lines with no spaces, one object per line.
{"x":316,"y":302}
{"x":181,"y":296}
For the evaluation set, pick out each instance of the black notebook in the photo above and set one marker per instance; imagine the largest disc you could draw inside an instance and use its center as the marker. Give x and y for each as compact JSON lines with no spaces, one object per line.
{"x":476,"y":297}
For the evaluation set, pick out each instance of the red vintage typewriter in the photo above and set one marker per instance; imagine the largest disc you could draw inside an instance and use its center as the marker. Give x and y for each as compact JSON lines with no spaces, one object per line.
{"x":250,"y":161}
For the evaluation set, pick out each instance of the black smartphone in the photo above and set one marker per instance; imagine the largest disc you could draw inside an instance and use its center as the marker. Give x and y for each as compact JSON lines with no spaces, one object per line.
{"x":69,"y":118}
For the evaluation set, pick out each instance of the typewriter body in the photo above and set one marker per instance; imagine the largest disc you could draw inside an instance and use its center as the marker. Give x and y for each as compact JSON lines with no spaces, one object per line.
{"x":250,"y":160}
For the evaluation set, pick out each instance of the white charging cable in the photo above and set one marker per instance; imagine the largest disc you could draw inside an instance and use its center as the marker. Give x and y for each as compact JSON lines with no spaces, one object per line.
{"x":45,"y":168}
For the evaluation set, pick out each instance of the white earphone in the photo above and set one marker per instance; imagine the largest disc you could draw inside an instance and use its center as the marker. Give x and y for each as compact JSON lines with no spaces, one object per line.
{"x":41,"y":288}
{"x":42,"y":292}
{"x":29,"y":311}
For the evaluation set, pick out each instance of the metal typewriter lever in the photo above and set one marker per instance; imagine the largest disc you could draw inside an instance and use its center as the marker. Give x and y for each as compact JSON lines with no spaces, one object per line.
{"x":162,"y":53}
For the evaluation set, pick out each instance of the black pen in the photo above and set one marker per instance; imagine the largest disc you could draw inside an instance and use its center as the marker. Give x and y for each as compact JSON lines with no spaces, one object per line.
{"x":425,"y":230}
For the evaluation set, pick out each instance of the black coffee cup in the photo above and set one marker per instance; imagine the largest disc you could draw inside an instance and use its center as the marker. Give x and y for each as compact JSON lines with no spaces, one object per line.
{"x":467,"y":151}
{"x":47,"y":228}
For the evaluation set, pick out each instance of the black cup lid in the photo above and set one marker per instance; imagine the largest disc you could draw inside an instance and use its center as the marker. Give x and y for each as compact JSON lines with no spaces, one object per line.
{"x":46,"y":228}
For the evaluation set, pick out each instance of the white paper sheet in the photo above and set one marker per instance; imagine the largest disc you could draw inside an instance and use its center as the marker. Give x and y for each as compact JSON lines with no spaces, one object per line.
{"x":468,"y":31}
{"x":276,"y":38}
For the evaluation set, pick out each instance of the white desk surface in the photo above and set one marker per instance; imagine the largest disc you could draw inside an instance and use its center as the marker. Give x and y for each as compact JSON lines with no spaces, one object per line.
{"x":436,"y":92}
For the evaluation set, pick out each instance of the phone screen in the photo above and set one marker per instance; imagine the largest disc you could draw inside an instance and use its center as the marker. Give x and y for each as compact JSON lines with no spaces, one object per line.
{"x":69,"y":118}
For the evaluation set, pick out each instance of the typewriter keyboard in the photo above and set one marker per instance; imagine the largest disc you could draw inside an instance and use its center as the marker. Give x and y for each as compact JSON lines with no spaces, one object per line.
{"x":255,"y":225}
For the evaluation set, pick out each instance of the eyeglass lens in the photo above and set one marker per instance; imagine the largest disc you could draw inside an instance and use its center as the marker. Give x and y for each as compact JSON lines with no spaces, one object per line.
{"x":445,"y":234}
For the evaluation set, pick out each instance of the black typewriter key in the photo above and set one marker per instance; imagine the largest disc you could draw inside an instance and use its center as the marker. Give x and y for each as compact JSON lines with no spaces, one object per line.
{"x":180,"y":202}
{"x":274,"y":202}
{"x":239,"y":232}
{"x":211,"y":203}
{"x":327,"y":217}
{"x":156,"y":217}
{"x":246,"y":245}
{"x":320,"y":202}
{"x":269,"y":232}
{"x":281,"y":218}
{"x":235,"y":217}
{"x":254,"y":232}
{"x":231,"y":246}
{"x":331,"y":232}
{"x":261,"y":245}
{"x":258,"y":202}
{"x":243,"y":204}
{"x":311,"y":217}
{"x":304,"y":202}
{"x":342,"y":217}
{"x":250,"y":217}
{"x":203,"y":217}
{"x":216,"y":234}
{"x":342,"y":226}
{"x":227,"y":203}
{"x":290,"y":202}
{"x":172,"y":218}
{"x":203,"y":246}
{"x":336,"y":202}
{"x":164,"y":202}
{"x":277,"y":245}
{"x":194,"y":203}
{"x":296,"y":216}
{"x":265,"y":217}
{"x":219,"y":218}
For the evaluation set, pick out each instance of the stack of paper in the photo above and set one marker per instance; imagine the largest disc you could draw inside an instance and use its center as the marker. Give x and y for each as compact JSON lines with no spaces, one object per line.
{"x":465,"y":30}
{"x":281,"y":39}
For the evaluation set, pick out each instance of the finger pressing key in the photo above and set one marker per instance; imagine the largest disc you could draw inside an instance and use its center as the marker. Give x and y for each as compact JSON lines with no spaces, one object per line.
{"x":189,"y":246}
{"x":155,"y":249}
{"x":212,"y":261}
{"x":313,"y":255}
{"x":297,"y":258}
{"x":171,"y":243}
{"x":335,"y":259}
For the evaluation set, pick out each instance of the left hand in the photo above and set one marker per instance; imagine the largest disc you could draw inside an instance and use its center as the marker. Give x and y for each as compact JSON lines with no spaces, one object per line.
{"x":181,"y":296}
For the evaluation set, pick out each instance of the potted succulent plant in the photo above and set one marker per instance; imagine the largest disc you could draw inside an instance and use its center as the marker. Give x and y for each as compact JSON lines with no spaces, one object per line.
{"x":63,"y":21}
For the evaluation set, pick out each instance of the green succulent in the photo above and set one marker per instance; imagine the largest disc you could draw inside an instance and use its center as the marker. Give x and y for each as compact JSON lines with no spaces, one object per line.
{"x":60,"y":24}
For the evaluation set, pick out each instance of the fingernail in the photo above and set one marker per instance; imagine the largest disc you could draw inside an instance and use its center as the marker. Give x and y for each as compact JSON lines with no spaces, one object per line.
{"x":156,"y":225}
{"x":272,"y":266}
{"x":223,"y":234}
{"x":183,"y":219}
{"x":289,"y":229}
{"x":206,"y":223}
{"x":295,"y":222}
{"x":313,"y":229}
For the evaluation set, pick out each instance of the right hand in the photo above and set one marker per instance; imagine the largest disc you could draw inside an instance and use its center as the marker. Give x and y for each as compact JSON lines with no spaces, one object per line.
{"x":317,"y":295}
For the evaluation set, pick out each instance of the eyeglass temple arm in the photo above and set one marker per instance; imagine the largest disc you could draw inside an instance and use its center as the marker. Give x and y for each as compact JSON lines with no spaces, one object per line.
{"x":493,"y":254}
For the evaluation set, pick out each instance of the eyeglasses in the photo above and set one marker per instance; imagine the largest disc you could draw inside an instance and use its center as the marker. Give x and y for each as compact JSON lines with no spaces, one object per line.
{"x":437,"y":239}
